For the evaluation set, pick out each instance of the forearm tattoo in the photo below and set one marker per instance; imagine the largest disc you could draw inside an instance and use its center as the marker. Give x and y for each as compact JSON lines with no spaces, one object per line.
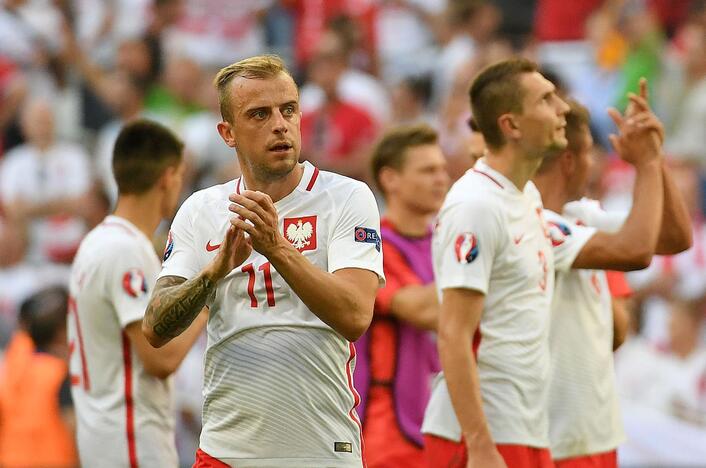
{"x":176,"y":303}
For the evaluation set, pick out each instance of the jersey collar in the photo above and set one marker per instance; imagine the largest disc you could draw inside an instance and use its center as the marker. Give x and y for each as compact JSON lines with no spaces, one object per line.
{"x":306,"y":183}
{"x":500,"y":180}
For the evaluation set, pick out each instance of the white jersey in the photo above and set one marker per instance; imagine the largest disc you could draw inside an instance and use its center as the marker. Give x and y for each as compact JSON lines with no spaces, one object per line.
{"x":125,"y":416}
{"x":278,"y":381}
{"x":491,"y":237}
{"x":584,"y":418}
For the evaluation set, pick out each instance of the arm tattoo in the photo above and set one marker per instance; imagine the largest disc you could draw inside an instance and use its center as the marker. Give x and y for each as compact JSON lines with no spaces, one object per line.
{"x":176,"y":303}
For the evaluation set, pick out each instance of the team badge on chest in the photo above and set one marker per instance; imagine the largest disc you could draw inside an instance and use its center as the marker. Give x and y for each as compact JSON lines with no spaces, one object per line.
{"x":301,"y":232}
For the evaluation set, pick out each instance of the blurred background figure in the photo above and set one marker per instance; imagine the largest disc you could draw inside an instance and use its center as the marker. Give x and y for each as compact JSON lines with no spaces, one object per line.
{"x":37,"y":423}
{"x":397,"y":356}
{"x":47,"y":184}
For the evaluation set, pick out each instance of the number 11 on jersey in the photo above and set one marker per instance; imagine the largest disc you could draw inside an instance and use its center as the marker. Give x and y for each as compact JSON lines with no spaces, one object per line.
{"x":266,"y":270}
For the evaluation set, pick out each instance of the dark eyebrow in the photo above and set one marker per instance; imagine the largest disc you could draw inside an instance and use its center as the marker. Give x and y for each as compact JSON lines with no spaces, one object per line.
{"x":290,"y":103}
{"x":255,"y":109}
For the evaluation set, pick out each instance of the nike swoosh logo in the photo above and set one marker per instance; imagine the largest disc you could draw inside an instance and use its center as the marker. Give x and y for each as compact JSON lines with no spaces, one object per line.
{"x":211,"y":248}
{"x":518,"y":239}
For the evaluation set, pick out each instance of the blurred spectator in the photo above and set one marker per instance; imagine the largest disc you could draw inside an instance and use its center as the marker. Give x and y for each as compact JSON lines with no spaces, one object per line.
{"x":681,"y":277}
{"x":312,"y":19}
{"x":13,"y":89}
{"x":214,"y":162}
{"x":405,"y":33}
{"x":218,"y":32}
{"x":101,"y":26}
{"x":18,"y":279}
{"x":352,"y":86}
{"x":337,"y":134}
{"x":684,"y":99}
{"x":671,"y":379}
{"x":178,"y":94}
{"x":410,"y":101}
{"x":472,"y":23}
{"x":47,"y":183}
{"x":35,"y":400}
{"x":28,"y":31}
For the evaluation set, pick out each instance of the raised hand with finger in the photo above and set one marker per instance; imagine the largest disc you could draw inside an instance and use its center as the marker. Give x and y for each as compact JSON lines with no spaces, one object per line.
{"x":636,"y":142}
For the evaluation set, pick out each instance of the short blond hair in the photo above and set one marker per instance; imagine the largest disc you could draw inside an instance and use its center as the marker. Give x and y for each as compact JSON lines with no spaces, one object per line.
{"x":259,"y":67}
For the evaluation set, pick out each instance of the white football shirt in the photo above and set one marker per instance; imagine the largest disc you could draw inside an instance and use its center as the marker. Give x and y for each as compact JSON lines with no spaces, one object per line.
{"x":125,"y":416}
{"x":491,"y":237}
{"x":278,"y":385}
{"x":584,"y":418}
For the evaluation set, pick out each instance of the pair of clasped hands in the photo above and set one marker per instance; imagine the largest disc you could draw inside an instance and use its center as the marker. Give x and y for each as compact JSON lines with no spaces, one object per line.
{"x":254,"y":226}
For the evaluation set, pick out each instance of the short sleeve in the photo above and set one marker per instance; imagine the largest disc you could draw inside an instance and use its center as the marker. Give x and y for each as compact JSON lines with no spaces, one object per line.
{"x":355,"y":239}
{"x":567,"y":239}
{"x":397,"y":275}
{"x":130,"y":282}
{"x":467,"y":238}
{"x":590,"y":213}
{"x":181,"y":258}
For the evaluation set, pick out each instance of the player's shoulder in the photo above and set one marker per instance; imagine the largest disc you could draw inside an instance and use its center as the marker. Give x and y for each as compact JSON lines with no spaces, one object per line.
{"x":474,"y":193}
{"x":585,"y":209}
{"x":201,"y":200}
{"x":111,"y":241}
{"x":339,"y":187}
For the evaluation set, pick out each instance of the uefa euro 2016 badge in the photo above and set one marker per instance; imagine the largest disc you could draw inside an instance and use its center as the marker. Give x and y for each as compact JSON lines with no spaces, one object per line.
{"x":367,"y":236}
{"x":558,"y":232}
{"x":169,"y":247}
{"x":466,"y":247}
{"x":134,"y":283}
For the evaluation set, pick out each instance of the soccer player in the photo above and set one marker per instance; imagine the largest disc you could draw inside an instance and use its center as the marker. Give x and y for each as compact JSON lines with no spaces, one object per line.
{"x":288,"y":260}
{"x":494,"y":263}
{"x":398,"y":356}
{"x":585,"y":426}
{"x":120,"y":384}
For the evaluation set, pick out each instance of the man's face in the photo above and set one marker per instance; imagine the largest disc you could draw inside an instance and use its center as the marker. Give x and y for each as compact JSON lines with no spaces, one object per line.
{"x":423,"y":181}
{"x":542,"y":120}
{"x":266,"y":125}
{"x":583,"y":165}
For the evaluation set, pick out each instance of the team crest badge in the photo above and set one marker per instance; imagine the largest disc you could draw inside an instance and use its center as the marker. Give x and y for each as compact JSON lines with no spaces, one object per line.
{"x":169,"y":247}
{"x":301,"y":232}
{"x":466,"y":247}
{"x":134,"y":283}
{"x":558,"y":233}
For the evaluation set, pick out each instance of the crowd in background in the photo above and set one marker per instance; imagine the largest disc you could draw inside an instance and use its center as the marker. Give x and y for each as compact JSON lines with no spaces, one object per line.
{"x":73,"y":71}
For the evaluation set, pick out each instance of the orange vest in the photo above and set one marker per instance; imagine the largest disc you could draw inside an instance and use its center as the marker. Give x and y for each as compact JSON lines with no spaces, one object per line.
{"x":32,"y":432}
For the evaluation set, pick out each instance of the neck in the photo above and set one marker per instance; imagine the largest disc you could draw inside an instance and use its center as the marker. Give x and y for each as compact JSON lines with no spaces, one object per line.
{"x":277,"y":189}
{"x":685,"y":348}
{"x":407,"y":221}
{"x":551,"y":187}
{"x":514,"y":165}
{"x":144,"y":211}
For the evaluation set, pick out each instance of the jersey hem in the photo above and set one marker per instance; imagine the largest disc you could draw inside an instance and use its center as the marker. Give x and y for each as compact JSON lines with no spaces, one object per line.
{"x":560,"y":454}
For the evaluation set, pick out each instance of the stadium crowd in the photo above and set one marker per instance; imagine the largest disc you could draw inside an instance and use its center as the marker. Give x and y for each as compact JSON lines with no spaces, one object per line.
{"x":73,"y":72}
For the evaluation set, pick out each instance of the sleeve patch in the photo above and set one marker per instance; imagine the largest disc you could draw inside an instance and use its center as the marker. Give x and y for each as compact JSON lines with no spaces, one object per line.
{"x":367,"y":236}
{"x":466,"y":247}
{"x":558,"y":232}
{"x":134,"y":283}
{"x":169,"y":247}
